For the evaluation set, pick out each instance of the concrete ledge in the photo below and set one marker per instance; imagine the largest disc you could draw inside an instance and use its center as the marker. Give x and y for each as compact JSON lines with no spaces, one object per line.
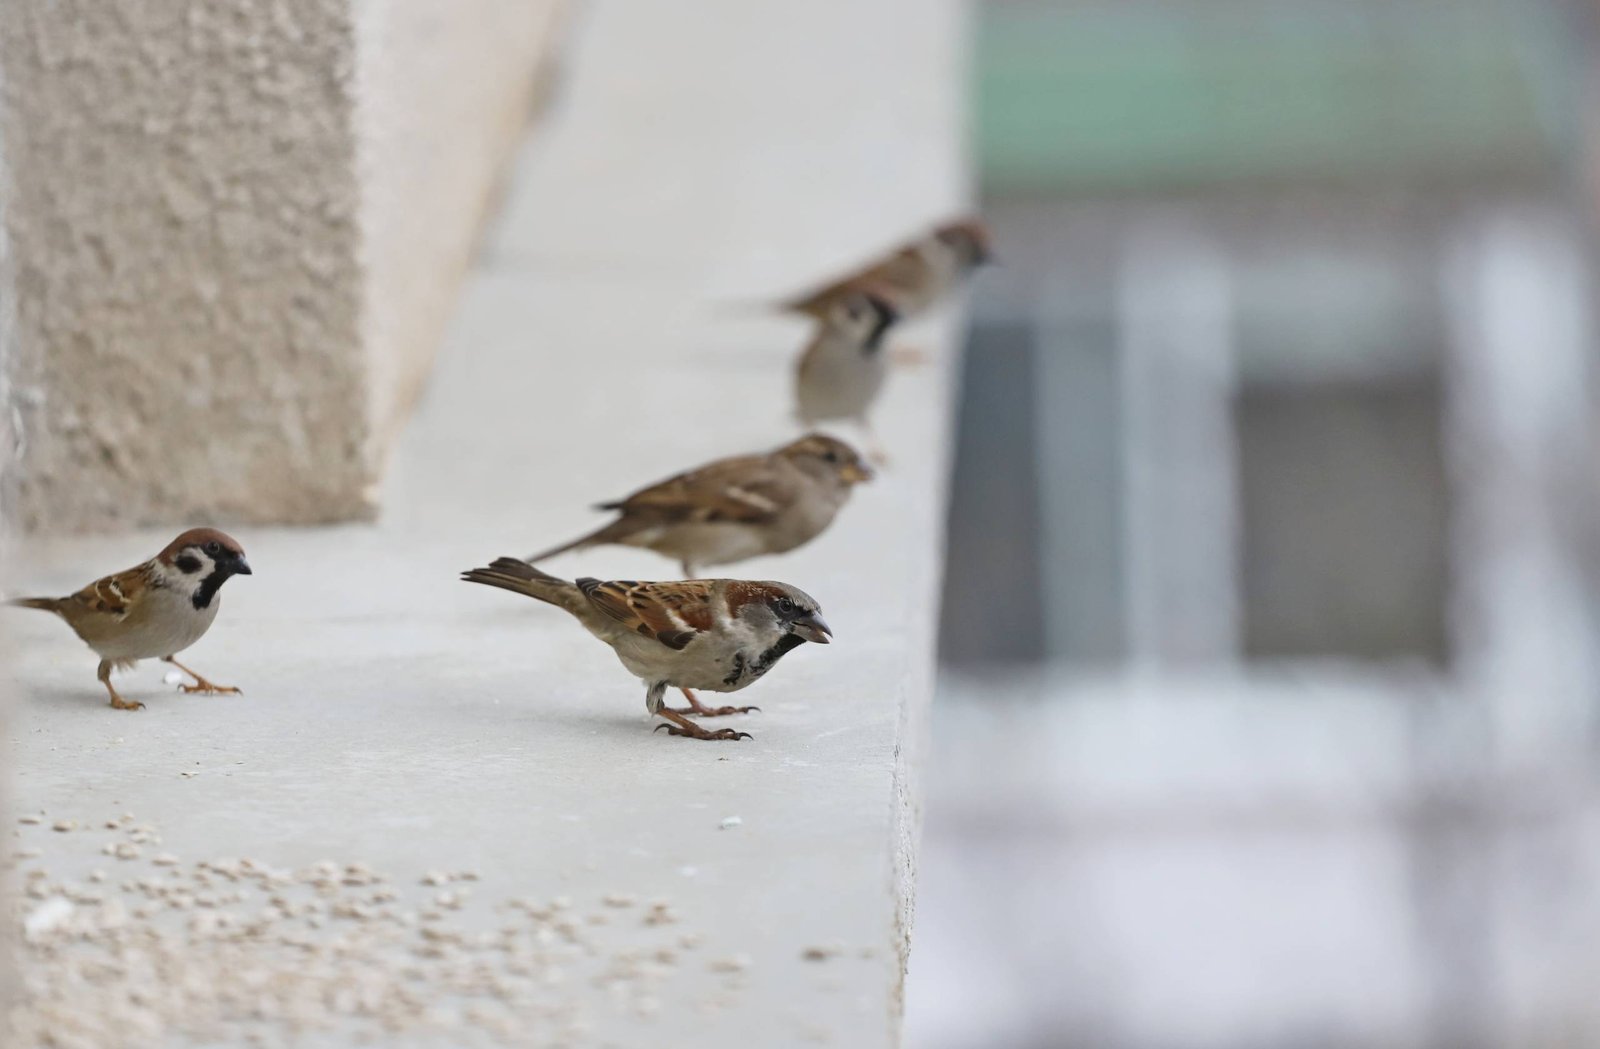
{"x":399,"y":719}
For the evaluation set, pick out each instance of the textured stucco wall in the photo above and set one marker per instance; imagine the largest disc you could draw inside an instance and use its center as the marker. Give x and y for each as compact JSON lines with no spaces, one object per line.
{"x":238,"y":230}
{"x":444,"y":91}
{"x":183,"y":229}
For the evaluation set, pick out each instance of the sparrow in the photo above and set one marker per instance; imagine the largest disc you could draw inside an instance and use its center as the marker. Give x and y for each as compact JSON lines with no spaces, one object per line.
{"x":914,"y":277}
{"x":719,"y":635}
{"x":736,"y":508}
{"x":842,"y":369}
{"x":154,"y":610}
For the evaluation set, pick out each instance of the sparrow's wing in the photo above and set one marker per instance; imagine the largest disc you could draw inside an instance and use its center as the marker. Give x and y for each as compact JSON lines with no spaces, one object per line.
{"x":746,"y":490}
{"x":113,"y":596}
{"x":902,"y":271}
{"x":672,"y":613}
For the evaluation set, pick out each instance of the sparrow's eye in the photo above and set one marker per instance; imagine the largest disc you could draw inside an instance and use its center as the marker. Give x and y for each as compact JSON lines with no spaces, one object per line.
{"x":214,"y":548}
{"x":831,"y":456}
{"x":785,"y":605}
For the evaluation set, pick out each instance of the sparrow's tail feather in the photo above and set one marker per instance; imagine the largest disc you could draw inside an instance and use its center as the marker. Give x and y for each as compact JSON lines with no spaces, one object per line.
{"x":519,"y":577}
{"x":43,"y":604}
{"x":615,"y":532}
{"x":811,"y":305}
{"x":576,"y":544}
{"x":814,"y":304}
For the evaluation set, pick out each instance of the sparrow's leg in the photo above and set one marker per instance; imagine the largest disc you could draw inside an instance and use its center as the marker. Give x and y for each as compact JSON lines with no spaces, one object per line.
{"x":200,"y":684}
{"x":682,"y":726}
{"x":117,"y":702}
{"x":699,"y":709}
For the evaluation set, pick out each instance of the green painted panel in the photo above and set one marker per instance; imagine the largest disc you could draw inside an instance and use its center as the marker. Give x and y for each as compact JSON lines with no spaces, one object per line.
{"x":1092,"y":96}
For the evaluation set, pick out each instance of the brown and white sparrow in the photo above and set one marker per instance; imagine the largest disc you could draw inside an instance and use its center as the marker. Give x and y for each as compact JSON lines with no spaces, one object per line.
{"x":719,"y":635}
{"x":154,"y":610}
{"x":737,"y":508}
{"x":842,"y":369}
{"x":913,"y":278}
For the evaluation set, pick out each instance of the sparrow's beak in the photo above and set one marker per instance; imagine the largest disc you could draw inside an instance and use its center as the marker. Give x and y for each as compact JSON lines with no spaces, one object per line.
{"x":812,"y":628}
{"x":241,"y":566}
{"x":855,"y":473}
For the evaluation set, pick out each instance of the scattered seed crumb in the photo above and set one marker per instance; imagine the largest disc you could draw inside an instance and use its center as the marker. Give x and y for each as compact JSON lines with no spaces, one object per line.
{"x":736,"y":963}
{"x":48,"y":916}
{"x":64,"y":825}
{"x":304,"y":948}
{"x":730,"y":821}
{"x":31,"y":820}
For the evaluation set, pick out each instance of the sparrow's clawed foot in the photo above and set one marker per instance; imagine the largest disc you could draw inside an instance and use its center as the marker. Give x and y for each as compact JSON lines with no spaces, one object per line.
{"x":201,"y":685}
{"x":205,"y":688}
{"x":682,"y":726}
{"x":117,"y":702}
{"x":699,"y":709}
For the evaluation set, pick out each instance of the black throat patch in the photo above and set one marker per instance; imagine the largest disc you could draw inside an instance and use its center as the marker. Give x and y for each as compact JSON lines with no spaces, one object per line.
{"x":208,"y":589}
{"x":764,"y":662}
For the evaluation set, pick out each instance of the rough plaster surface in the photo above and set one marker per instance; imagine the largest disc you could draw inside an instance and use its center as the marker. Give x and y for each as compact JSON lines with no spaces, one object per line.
{"x":398,"y":717}
{"x":239,"y":228}
{"x":182,"y":219}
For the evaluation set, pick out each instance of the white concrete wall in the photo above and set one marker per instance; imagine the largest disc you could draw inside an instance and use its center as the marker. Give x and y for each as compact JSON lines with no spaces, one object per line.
{"x":238,"y":229}
{"x":181,"y":212}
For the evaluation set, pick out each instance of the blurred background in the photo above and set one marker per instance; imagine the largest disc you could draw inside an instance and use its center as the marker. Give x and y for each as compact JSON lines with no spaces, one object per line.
{"x":1267,"y":706}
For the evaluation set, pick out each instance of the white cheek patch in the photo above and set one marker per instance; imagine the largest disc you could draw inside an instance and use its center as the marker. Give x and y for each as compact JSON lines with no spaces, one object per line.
{"x":174,"y":576}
